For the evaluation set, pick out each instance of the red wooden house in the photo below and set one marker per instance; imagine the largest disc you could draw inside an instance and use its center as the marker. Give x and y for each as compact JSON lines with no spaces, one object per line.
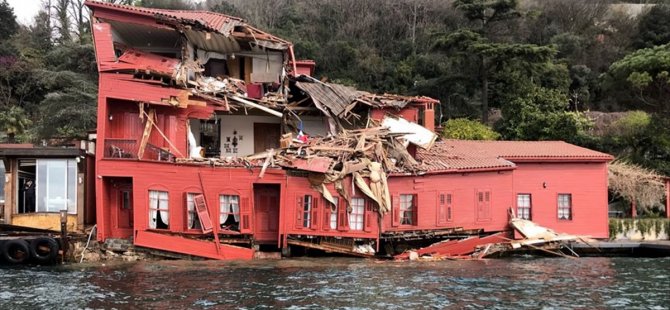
{"x":186,"y":97}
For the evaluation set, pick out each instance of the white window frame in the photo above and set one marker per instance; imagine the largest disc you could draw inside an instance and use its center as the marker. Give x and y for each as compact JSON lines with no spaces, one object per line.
{"x":229,"y":205}
{"x":357,"y":215}
{"x":192,"y":219}
{"x":524,"y":201}
{"x":162,"y":205}
{"x":69,"y":180}
{"x":307,"y":205}
{"x":334,"y":213}
{"x":562,"y":208}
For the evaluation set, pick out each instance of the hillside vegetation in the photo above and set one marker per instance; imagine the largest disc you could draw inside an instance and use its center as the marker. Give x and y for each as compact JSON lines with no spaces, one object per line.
{"x":539,"y":65}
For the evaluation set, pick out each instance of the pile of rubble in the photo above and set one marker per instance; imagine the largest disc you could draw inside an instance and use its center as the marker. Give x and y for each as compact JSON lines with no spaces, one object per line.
{"x":535,"y":238}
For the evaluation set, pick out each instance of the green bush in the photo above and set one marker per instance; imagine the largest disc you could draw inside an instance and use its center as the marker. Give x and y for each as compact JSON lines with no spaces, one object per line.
{"x":465,"y":129}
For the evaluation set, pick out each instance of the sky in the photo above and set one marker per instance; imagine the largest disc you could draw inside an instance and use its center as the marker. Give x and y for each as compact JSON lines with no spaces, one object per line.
{"x":25,"y":10}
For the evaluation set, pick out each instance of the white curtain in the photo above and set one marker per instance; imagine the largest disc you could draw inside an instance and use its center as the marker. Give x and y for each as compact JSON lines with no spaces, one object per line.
{"x":333,"y":216}
{"x":190,"y":213}
{"x":163,"y":206}
{"x":225,"y":208}
{"x":235,"y":204}
{"x":153,"y":205}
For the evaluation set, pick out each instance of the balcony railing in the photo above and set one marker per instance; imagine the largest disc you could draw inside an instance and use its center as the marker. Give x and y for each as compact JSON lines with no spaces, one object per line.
{"x":121,"y":148}
{"x":128,"y":148}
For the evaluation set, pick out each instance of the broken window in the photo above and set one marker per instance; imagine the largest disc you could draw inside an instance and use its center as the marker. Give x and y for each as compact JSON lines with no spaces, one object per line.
{"x":523,"y":206}
{"x":159,"y":216}
{"x":333,"y":213}
{"x":407,"y":209}
{"x":357,"y":213}
{"x":564,"y":206}
{"x":307,"y":211}
{"x":192,"y":221}
{"x":210,"y":137}
{"x":229,"y":217}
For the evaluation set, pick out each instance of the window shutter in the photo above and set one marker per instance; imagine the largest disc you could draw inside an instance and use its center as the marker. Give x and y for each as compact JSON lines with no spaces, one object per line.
{"x":395,"y":211}
{"x":315,"y":213}
{"x":298,"y":212}
{"x":415,"y":208}
{"x":368,"y":216}
{"x":245,"y":216}
{"x":440,"y":209}
{"x":342,"y":223}
{"x":203,"y":214}
{"x":449,"y":211}
{"x":186,"y":223}
{"x":326,"y":215}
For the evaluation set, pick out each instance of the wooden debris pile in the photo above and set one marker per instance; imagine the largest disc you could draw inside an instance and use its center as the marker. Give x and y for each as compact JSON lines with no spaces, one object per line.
{"x":536,"y":239}
{"x":360,"y":154}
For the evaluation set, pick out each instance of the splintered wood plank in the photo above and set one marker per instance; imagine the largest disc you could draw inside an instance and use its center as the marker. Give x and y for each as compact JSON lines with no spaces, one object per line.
{"x":147,"y":132}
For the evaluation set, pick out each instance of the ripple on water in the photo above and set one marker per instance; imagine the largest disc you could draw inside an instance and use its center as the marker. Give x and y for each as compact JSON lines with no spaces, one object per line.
{"x":344,"y":284}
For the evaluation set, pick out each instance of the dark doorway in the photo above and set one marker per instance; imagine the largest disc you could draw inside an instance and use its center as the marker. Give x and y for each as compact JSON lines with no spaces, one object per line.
{"x":266,"y":213}
{"x":26,"y":186}
{"x":266,"y":136}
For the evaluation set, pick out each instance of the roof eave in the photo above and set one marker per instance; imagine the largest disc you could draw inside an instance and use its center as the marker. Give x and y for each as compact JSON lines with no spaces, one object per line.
{"x":556,"y":159}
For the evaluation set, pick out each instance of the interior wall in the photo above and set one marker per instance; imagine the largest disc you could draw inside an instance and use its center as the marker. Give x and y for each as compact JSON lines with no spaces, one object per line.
{"x":240,"y":129}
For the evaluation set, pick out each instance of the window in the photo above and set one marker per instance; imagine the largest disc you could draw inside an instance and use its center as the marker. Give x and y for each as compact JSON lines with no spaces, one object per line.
{"x":333,"y":213}
{"x":523,"y":206}
{"x":229,"y":217}
{"x":192,"y":220}
{"x":2,"y":181}
{"x":307,"y":211}
{"x":125,"y":200}
{"x":407,"y":209}
{"x":357,"y":214}
{"x":564,"y":206}
{"x":159,"y":215}
{"x":56,"y":185}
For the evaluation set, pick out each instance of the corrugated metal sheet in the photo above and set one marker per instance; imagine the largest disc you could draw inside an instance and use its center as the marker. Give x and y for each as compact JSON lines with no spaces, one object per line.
{"x":333,"y":96}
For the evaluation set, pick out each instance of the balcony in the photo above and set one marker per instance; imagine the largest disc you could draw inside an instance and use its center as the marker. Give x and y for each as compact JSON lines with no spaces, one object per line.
{"x":128,"y":149}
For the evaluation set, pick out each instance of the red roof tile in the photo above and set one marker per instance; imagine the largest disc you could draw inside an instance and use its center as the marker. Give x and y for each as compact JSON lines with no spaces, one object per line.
{"x":525,"y":150}
{"x":469,"y":155}
{"x":442,"y":158}
{"x":215,"y":21}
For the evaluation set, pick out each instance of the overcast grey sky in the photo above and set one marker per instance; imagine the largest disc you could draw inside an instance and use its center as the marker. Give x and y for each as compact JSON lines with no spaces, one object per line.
{"x":25,"y":10}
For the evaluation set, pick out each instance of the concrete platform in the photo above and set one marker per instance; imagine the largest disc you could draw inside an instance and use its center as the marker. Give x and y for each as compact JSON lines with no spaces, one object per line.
{"x":624,"y":248}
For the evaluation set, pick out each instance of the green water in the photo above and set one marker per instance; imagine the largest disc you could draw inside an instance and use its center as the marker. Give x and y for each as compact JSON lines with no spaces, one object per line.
{"x":340,"y":283}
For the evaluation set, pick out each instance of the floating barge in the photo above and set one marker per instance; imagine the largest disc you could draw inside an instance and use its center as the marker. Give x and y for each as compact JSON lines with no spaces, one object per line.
{"x":22,"y":245}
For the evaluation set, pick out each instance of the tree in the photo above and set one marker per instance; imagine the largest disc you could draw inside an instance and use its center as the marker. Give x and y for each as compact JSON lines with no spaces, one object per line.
{"x":166,"y":4}
{"x":481,"y":58}
{"x":465,"y":129}
{"x":63,"y":22}
{"x":642,"y":77}
{"x":14,"y":122}
{"x":541,"y":114}
{"x":644,"y":188}
{"x":654,"y":27}
{"x":485,"y":12}
{"x":8,"y":26}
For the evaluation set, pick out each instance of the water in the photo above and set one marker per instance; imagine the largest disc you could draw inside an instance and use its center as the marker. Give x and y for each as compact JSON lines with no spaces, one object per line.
{"x":340,"y":283}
